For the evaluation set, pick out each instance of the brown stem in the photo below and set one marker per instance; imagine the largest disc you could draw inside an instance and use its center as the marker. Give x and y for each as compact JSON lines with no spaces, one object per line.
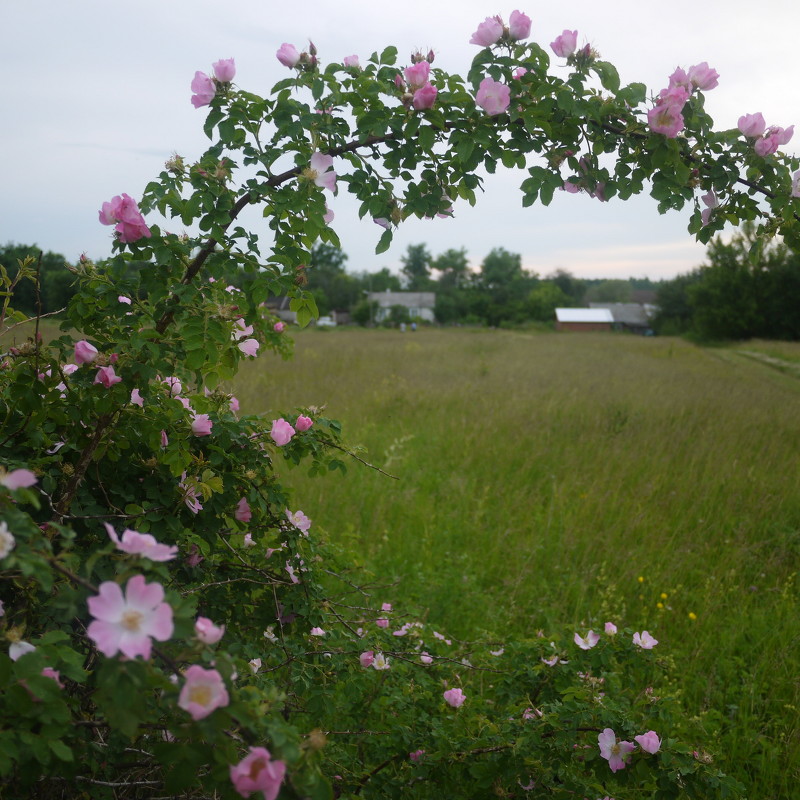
{"x":83,"y":464}
{"x":276,"y":180}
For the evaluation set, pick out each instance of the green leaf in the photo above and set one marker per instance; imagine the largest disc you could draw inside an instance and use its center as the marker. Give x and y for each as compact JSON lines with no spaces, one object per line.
{"x":608,"y":75}
{"x":384,"y":243}
{"x":426,"y":137}
{"x":389,"y":56}
{"x":61,"y":750}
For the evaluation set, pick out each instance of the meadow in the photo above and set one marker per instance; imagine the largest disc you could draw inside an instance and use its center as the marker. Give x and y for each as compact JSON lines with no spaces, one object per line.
{"x":546,"y":479}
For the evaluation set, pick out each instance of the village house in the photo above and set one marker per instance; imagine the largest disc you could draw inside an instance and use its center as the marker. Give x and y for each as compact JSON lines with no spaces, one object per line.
{"x":630,"y":317}
{"x":420,"y":305}
{"x":584,"y":319}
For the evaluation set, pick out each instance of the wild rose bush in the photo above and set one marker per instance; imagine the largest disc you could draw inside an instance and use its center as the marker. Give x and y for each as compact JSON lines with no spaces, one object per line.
{"x":176,"y":624}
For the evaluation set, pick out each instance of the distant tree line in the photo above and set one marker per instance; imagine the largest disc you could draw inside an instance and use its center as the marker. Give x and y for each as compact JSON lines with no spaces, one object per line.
{"x":746,"y":291}
{"x":500,"y":292}
{"x":55,"y":280}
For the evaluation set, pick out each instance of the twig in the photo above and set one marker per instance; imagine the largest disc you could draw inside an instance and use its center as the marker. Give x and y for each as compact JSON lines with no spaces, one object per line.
{"x":38,"y":309}
{"x":84,"y":461}
{"x":37,"y":318}
{"x":358,"y":458}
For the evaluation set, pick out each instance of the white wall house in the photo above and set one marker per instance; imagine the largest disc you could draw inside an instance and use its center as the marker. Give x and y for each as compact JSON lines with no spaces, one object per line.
{"x":420,"y":305}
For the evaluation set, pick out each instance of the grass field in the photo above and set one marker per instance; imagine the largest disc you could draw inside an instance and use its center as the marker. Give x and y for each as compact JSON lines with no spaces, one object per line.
{"x":570,"y":478}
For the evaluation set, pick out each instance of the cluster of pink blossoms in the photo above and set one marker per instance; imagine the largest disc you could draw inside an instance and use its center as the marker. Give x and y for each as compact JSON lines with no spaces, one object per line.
{"x":419,"y":91}
{"x":666,"y":117}
{"x":205,"y":88}
{"x":617,"y":753}
{"x":492,"y":30}
{"x":767,"y":140}
{"x":291,"y":57}
{"x":124,"y":214}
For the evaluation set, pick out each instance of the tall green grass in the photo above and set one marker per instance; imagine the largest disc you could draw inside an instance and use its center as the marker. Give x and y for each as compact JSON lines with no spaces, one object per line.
{"x":569,"y":478}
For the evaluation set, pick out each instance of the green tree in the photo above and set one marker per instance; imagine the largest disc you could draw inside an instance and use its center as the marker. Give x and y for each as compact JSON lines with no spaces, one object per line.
{"x":610,"y":291}
{"x":332,"y":286}
{"x":544,"y":299}
{"x":453,"y":269}
{"x":55,"y":279}
{"x":417,"y":267}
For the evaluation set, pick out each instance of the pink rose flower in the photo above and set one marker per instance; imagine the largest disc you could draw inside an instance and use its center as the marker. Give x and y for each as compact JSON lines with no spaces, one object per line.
{"x":174,"y":385}
{"x":279,"y":327}
{"x":303,"y":423}
{"x":203,"y":88}
{"x":18,"y":649}
{"x":328,"y":216}
{"x":752,"y":125}
{"x":425,"y":657}
{"x":417,"y":755}
{"x":203,"y":692}
{"x":417,"y":74}
{"x":703,"y":77}
{"x":519,"y":25}
{"x":711,"y":202}
{"x":564,"y":45}
{"x":666,"y":119}
{"x":680,"y":78}
{"x":249,"y":347}
{"x":455,"y":697}
{"x":587,"y":642}
{"x":315,"y":631}
{"x":366,"y":658}
{"x":85,"y":353}
{"x":610,"y":628}
{"x":644,"y":640}
{"x":243,"y":513}
{"x":518,"y":73}
{"x":107,"y":377}
{"x":126,"y":623}
{"x":141,"y":544}
{"x":493,"y":97}
{"x":614,"y":752}
{"x":386,"y":606}
{"x":241,"y":329}
{"x":299,"y":520}
{"x":207,"y":632}
{"x":257,"y":772}
{"x":425,"y":97}
{"x":123,"y":299}
{"x":649,"y":742}
{"x":201,"y":425}
{"x":123,"y":213}
{"x":281,"y":432}
{"x":224,"y":70}
{"x":382,"y":622}
{"x":489,"y":32}
{"x":351,"y":61}
{"x":674,"y":95}
{"x":53,"y":674}
{"x":288,"y":56}
{"x":17,"y":479}
{"x":383,"y":222}
{"x":137,"y":399}
{"x":233,"y":404}
{"x":773,"y":138}
{"x":322,"y":172}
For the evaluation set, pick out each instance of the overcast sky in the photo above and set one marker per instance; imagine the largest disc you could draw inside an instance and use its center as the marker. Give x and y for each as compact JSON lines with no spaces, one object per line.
{"x":95,"y":98}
